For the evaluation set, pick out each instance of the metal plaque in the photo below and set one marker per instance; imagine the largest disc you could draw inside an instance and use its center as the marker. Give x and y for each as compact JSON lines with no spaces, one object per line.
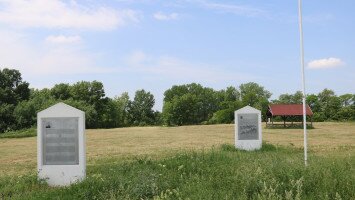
{"x":248,"y":127}
{"x":60,"y":141}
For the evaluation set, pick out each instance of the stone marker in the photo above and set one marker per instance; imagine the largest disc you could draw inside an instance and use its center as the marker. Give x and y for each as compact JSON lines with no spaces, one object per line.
{"x":61,"y":156}
{"x":248,"y":134}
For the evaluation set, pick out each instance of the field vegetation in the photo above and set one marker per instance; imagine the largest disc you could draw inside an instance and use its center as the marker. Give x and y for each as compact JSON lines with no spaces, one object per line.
{"x":188,"y":104}
{"x":193,"y":162}
{"x":28,"y":132}
{"x":164,"y":158}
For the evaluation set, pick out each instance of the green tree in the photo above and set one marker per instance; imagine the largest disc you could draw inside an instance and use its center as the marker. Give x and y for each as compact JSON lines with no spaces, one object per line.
{"x":228,"y":97}
{"x":91,"y":115}
{"x":297,"y":98}
{"x":26,"y":111}
{"x":284,"y":99}
{"x":346,"y":113}
{"x":61,"y":91}
{"x":256,"y":96}
{"x":224,"y":116}
{"x":12,"y":91}
{"x":110,"y":114}
{"x":252,"y":93}
{"x":122,"y":103}
{"x":313,"y":102}
{"x":325,"y":95}
{"x":290,"y":98}
{"x":12,"y":88}
{"x":231,"y":94}
{"x":182,"y":110}
{"x":330,"y":104}
{"x":229,"y":101}
{"x":93,"y":94}
{"x":140,"y":110}
{"x":191,"y":104}
{"x":7,"y":119}
{"x":100,"y":111}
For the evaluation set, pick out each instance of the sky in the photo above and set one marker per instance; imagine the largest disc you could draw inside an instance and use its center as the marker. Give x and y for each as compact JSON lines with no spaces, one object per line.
{"x":154,"y":44}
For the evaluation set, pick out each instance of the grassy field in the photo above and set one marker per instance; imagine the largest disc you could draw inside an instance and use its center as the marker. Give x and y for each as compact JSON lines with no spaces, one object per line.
{"x":18,"y":156}
{"x":194,"y":161}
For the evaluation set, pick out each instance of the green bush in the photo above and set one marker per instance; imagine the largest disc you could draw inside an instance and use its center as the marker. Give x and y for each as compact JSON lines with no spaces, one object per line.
{"x":225,"y":116}
{"x":30,"y":132}
{"x":319,"y":117}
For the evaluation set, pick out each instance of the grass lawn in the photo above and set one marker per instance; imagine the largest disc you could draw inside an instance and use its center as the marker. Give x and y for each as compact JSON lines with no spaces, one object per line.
{"x":196,"y":162}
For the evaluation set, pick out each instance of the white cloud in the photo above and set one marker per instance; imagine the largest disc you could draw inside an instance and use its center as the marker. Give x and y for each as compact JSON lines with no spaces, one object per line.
{"x":60,"y":14}
{"x":242,"y":10}
{"x":62,"y":39}
{"x":36,"y":60}
{"x":325,"y":63}
{"x":318,"y":18}
{"x":165,"y":17}
{"x":67,"y":60}
{"x":137,"y":58}
{"x":174,"y":68}
{"x":235,"y":9}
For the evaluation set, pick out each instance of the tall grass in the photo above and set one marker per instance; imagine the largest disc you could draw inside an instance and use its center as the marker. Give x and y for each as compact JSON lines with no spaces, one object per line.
{"x":220,"y":173}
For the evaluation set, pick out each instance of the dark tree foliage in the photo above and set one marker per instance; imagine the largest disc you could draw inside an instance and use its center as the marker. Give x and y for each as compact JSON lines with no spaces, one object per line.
{"x":7,"y":119}
{"x":314,"y":104}
{"x":256,"y":96}
{"x":183,"y":104}
{"x":92,"y":95}
{"x":100,"y":111}
{"x":289,"y":98}
{"x":182,"y":110}
{"x":229,"y":101}
{"x":189,"y":104}
{"x":122,"y":103}
{"x":91,"y":114}
{"x":325,"y":105}
{"x":12,"y":91}
{"x":140,"y":110}
{"x":61,"y":91}
{"x":252,"y":93}
{"x":26,"y":111}
{"x":12,"y":88}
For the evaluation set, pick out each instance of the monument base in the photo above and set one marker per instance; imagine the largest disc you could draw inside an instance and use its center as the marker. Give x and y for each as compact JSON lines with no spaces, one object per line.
{"x":248,"y":145}
{"x":61,"y":175}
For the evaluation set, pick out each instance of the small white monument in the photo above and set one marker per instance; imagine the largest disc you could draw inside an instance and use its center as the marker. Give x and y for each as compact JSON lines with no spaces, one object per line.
{"x":248,"y":134}
{"x":61,"y":156}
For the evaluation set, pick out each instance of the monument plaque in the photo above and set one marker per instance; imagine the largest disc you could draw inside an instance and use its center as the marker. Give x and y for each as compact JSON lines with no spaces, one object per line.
{"x":61,"y":145}
{"x":60,"y":141}
{"x":248,"y":128}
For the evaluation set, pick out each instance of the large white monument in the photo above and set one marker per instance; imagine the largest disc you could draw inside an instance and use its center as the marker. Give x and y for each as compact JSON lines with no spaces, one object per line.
{"x":61,"y":156}
{"x":248,"y":135}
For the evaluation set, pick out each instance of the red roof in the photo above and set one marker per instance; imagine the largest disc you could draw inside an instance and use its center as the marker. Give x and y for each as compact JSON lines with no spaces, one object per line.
{"x":288,"y":109}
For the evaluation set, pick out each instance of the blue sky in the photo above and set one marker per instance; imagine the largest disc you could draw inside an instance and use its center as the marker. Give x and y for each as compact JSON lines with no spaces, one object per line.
{"x":150,"y":44}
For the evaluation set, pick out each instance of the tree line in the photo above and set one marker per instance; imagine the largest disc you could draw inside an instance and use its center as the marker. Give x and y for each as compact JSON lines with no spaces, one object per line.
{"x":183,"y":104}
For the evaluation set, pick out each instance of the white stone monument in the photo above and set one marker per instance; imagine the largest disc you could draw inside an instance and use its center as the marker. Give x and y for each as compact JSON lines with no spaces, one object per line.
{"x":248,"y":135}
{"x":61,"y":156}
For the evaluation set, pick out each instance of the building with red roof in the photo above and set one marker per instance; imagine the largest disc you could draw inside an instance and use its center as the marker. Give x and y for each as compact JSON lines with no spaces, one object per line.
{"x":287,"y":111}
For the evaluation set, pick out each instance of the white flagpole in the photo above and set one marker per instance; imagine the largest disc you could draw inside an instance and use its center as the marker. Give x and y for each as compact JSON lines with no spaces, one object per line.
{"x":303,"y":83}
